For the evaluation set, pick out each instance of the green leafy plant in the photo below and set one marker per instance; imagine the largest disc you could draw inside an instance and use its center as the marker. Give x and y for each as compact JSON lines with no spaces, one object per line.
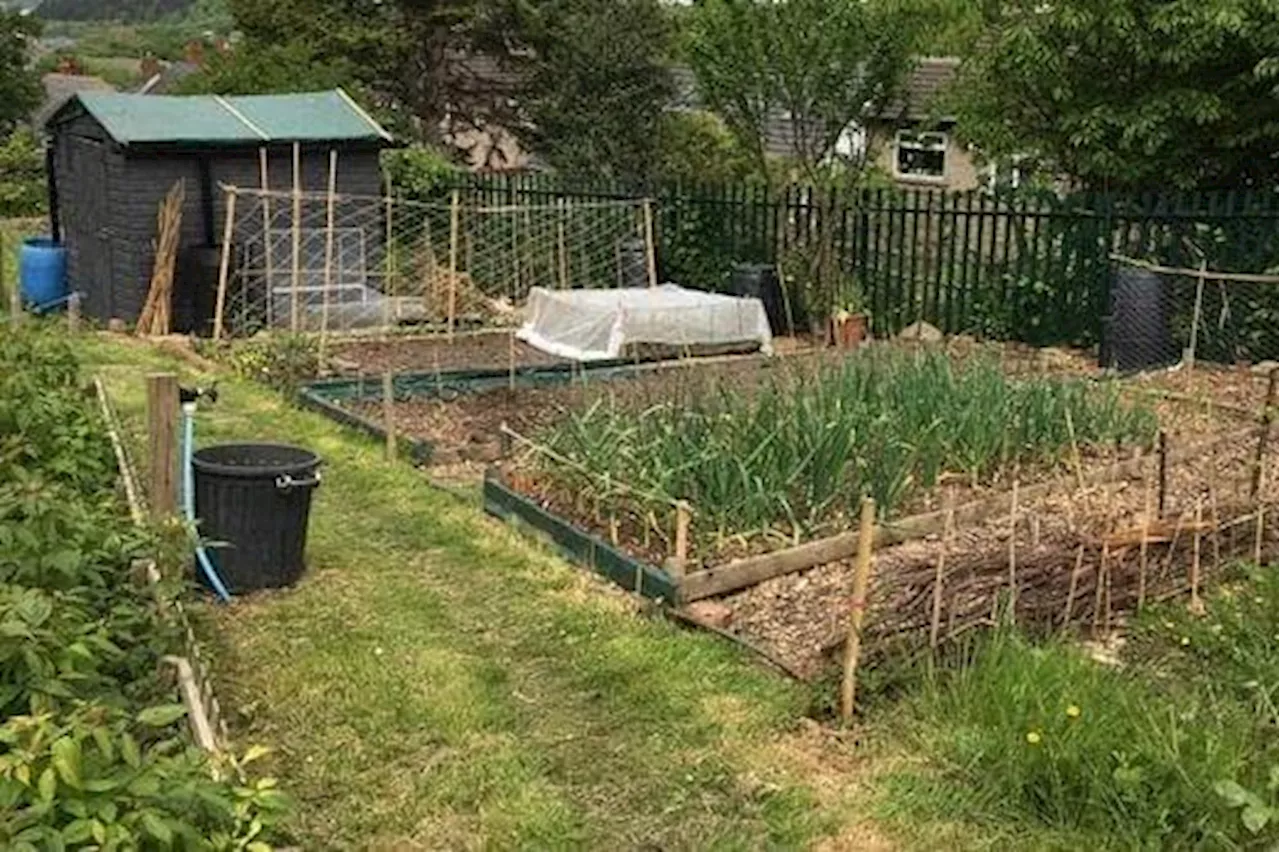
{"x":90,"y":746}
{"x":801,"y":449}
{"x":1255,"y":813}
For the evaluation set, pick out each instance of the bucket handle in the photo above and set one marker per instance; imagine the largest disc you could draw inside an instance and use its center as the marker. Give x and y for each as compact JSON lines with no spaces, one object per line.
{"x":286,"y":483}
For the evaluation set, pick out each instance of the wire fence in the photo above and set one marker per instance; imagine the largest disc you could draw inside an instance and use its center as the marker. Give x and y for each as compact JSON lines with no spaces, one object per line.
{"x":1164,"y":315}
{"x":326,"y":262}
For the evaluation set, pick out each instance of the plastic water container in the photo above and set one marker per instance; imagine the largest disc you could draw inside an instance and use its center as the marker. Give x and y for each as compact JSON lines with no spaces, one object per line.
{"x":42,"y":271}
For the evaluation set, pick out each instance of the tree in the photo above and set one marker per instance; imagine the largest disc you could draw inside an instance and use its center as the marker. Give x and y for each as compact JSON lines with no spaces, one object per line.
{"x":1127,"y":94}
{"x":20,"y":91}
{"x":596,"y":86}
{"x":825,"y":64}
{"x":415,"y":58}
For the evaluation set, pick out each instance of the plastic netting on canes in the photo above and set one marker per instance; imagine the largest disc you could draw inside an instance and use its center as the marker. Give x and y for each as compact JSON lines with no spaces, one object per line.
{"x":319,"y":262}
{"x":1169,"y":315}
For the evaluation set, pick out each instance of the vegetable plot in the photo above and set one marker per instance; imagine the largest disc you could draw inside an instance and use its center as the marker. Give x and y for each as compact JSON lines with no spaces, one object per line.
{"x":797,"y":452}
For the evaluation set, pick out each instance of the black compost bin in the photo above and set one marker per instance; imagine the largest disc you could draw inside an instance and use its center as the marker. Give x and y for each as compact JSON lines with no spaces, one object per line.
{"x":1138,"y":334}
{"x":253,"y":501}
{"x":760,"y":281}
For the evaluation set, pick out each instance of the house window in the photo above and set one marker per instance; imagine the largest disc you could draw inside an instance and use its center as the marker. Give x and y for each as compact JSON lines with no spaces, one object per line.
{"x":921,"y":155}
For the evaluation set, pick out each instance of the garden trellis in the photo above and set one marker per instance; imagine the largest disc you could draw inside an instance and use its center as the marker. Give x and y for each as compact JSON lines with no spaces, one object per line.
{"x":324,"y":262}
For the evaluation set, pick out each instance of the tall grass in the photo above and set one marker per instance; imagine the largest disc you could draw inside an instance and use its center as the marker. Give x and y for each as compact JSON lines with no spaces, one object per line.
{"x":802,"y":448}
{"x":1176,"y":749}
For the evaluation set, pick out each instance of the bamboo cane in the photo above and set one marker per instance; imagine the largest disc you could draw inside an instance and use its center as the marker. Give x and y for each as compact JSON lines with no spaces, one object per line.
{"x":452,"y":295}
{"x":295,"y":278}
{"x":264,"y":183}
{"x":224,"y":265}
{"x":650,"y":255}
{"x":328,"y":249}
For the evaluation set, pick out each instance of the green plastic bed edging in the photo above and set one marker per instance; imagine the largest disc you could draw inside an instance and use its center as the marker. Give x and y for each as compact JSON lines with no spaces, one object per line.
{"x":419,"y":451}
{"x":578,"y":546}
{"x":450,"y":384}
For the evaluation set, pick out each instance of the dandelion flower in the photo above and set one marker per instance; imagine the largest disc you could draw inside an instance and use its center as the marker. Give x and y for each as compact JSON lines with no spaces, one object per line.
{"x":1073,"y":711}
{"x":1033,"y":737}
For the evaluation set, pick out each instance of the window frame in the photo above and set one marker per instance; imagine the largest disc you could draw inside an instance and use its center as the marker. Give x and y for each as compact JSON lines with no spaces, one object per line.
{"x":942,"y":146}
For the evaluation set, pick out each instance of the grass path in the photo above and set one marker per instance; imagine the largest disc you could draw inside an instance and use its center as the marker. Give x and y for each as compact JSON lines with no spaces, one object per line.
{"x":436,"y":681}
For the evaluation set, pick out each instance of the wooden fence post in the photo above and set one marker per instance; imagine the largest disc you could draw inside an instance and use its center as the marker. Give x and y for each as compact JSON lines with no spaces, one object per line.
{"x":857,"y":608}
{"x":162,"y":456}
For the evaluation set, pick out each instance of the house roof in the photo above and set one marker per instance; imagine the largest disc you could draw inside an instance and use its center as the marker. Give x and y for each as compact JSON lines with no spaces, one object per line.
{"x":927,"y":81}
{"x":133,"y":119}
{"x":60,"y":88}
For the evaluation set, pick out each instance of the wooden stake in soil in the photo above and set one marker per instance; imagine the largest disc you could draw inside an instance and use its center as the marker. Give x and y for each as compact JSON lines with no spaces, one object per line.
{"x":224,"y":264}
{"x":948,"y":525}
{"x":389,"y":414}
{"x":1196,"y":606}
{"x":1075,"y":449}
{"x":1071,"y":587}
{"x":295,"y":277}
{"x":1264,"y":430}
{"x":679,"y":562}
{"x":511,"y":359}
{"x":1143,"y":545}
{"x":1163,"y":476}
{"x":1013,"y":555}
{"x":162,"y":449}
{"x":452,"y":296}
{"x":857,"y":608}
{"x":1215,"y":521}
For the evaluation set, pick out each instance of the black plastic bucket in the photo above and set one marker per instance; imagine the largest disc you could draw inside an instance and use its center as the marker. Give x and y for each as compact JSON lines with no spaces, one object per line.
{"x":253,"y":502}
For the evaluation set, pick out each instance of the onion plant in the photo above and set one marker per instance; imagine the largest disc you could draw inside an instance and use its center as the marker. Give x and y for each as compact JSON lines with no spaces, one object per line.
{"x":799,"y":449}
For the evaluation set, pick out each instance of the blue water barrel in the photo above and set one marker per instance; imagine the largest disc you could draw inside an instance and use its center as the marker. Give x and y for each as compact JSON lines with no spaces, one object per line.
{"x":42,"y":270}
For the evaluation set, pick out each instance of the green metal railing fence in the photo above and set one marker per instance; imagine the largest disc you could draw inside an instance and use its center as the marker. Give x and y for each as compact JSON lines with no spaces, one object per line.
{"x":1029,"y":267}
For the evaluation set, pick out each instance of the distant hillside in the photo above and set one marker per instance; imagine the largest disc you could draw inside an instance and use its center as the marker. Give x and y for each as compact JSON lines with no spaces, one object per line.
{"x":131,"y":11}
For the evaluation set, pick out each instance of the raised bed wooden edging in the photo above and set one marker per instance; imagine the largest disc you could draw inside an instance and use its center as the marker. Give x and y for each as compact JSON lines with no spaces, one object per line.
{"x":579,"y":546}
{"x":751,"y":570}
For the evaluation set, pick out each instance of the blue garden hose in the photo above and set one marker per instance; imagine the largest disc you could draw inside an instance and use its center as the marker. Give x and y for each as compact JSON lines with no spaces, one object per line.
{"x":189,"y":500}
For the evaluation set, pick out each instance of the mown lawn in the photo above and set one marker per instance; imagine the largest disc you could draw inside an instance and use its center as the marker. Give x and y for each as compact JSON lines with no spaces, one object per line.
{"x":436,"y":681}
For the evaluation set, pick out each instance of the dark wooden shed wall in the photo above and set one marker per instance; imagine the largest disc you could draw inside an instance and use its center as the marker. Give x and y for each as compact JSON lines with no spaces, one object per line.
{"x":111,"y":254}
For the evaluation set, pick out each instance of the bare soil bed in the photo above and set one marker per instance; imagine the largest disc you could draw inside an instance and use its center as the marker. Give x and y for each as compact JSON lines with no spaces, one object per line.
{"x":467,"y":427}
{"x":491,"y":350}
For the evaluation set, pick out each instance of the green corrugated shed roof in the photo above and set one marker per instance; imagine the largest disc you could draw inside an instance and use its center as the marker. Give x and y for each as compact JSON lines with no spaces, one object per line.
{"x":242,"y":119}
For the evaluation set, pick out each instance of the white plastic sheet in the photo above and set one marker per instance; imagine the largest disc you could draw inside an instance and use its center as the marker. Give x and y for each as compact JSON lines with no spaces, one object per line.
{"x":593,"y":325}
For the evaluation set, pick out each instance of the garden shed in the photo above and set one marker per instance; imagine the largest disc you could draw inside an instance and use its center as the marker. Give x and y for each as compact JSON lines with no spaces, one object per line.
{"x":115,"y":156}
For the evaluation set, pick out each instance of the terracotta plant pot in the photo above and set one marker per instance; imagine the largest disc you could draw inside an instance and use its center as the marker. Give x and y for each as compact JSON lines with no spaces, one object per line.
{"x":849,"y":331}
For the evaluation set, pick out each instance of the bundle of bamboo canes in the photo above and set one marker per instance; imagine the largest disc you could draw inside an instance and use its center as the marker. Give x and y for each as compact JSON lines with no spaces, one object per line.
{"x":155,"y":316}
